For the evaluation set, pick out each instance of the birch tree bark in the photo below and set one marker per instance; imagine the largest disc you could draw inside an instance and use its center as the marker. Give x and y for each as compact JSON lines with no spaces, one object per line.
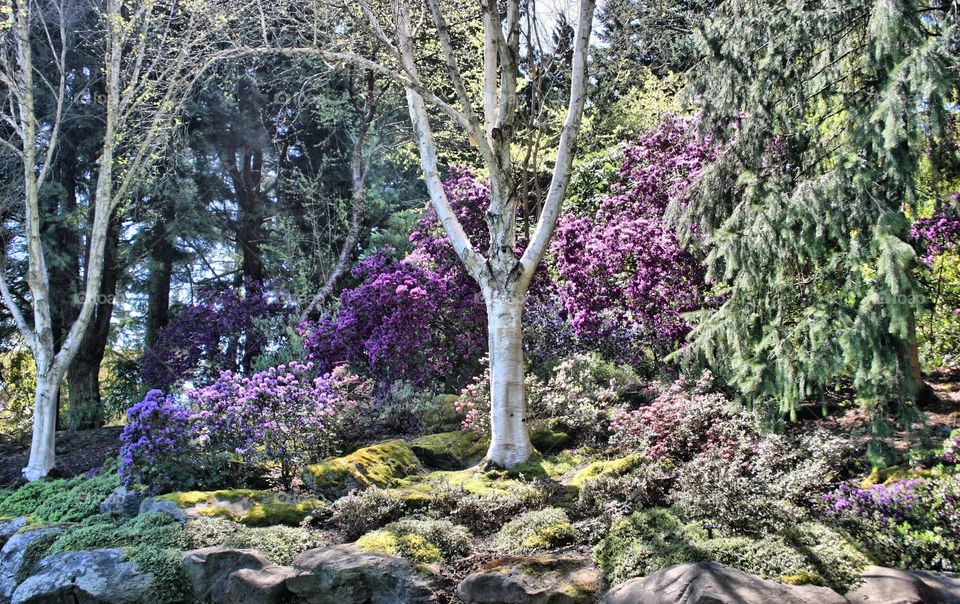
{"x":152,"y":53}
{"x":503,"y":275}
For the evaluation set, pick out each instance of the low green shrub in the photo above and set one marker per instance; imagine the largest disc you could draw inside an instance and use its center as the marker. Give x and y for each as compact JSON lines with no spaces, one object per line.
{"x":61,"y":500}
{"x":649,"y":540}
{"x":418,"y":538}
{"x":484,"y":513}
{"x":360,"y":511}
{"x":169,"y":581}
{"x":281,"y":544}
{"x":542,"y":529}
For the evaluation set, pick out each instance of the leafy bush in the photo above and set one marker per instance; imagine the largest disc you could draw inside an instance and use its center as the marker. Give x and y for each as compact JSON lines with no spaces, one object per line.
{"x":652,"y":539}
{"x":486,"y":512}
{"x":541,"y":529}
{"x":580,"y":395}
{"x":98,"y":532}
{"x":281,"y":544}
{"x":610,"y":497}
{"x":420,"y":539}
{"x":910,"y":523}
{"x":60,"y":500}
{"x":232,"y":429}
{"x":358,"y":512}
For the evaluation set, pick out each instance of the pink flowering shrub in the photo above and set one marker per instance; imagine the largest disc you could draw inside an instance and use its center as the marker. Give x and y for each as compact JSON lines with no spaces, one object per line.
{"x":680,"y":422}
{"x":285,"y":416}
{"x":580,"y":395}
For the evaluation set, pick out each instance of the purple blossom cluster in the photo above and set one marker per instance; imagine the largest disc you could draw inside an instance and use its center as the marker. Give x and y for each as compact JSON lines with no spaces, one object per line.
{"x":421,"y":319}
{"x":218,"y":333}
{"x":951,"y":448}
{"x":281,"y":416}
{"x":622,"y":267}
{"x":913,"y":523}
{"x":937,"y":234}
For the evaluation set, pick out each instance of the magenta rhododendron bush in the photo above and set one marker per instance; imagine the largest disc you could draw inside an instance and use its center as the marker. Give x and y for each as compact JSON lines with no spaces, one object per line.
{"x":621,"y":268}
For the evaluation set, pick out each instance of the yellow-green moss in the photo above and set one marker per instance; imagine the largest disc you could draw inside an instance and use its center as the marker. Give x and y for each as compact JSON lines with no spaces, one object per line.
{"x":247,"y":506}
{"x":893,"y":474}
{"x":549,"y":439}
{"x":412,"y":547}
{"x":381,"y":465}
{"x":451,"y":450}
{"x":612,"y":467}
{"x":803,"y":577}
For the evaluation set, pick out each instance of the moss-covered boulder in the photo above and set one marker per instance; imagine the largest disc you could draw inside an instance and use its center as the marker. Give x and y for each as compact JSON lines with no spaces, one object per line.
{"x":423,"y":540}
{"x":551,"y":438}
{"x":451,"y":450}
{"x":381,"y":465}
{"x":541,"y":529}
{"x":610,"y":467}
{"x":247,"y":506}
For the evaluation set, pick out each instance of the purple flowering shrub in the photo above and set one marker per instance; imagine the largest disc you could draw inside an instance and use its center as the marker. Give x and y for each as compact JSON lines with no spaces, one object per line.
{"x":236,"y":428}
{"x":155,"y":443}
{"x":910,"y":523}
{"x":420,"y":319}
{"x":951,"y":448}
{"x":221,"y":332}
{"x":621,"y":269}
{"x":938,"y":241}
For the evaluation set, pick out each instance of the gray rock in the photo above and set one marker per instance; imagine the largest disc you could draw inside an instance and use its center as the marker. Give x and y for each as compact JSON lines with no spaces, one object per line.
{"x":123,"y":502}
{"x":162,"y":506}
{"x":11,"y":557}
{"x":892,"y":586}
{"x":946,"y":584}
{"x":544,"y":579}
{"x":9,"y":528}
{"x":264,"y":586}
{"x":208,"y":570}
{"x":85,"y":578}
{"x":343,"y":574}
{"x":712,"y":583}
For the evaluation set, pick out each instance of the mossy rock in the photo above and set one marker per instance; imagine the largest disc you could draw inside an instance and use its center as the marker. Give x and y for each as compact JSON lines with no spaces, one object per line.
{"x":451,"y":450}
{"x":611,"y":467}
{"x":381,"y":465}
{"x":246,"y":506}
{"x":412,"y":547}
{"x":551,"y":438}
{"x":548,"y":578}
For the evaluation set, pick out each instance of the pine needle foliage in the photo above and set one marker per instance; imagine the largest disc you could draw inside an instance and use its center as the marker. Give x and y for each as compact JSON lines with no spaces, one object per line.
{"x":823,"y":109}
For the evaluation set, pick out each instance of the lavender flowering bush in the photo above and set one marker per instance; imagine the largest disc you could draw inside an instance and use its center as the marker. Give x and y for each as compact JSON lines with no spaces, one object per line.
{"x":912,"y":523}
{"x":284,"y":417}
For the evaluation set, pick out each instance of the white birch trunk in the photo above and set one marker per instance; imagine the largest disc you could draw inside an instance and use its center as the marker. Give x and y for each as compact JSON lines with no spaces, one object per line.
{"x":44,"y":421}
{"x":510,"y":439}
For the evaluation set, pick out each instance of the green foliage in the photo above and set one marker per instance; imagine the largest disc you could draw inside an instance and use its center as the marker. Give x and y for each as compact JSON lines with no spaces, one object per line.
{"x":487,"y":511}
{"x":281,"y":544}
{"x":804,"y":211}
{"x":61,"y":500}
{"x":358,"y":512}
{"x":421,"y":539}
{"x":98,"y":532}
{"x":37,"y":550}
{"x":651,"y":539}
{"x":169,"y":581}
{"x":541,"y":529}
